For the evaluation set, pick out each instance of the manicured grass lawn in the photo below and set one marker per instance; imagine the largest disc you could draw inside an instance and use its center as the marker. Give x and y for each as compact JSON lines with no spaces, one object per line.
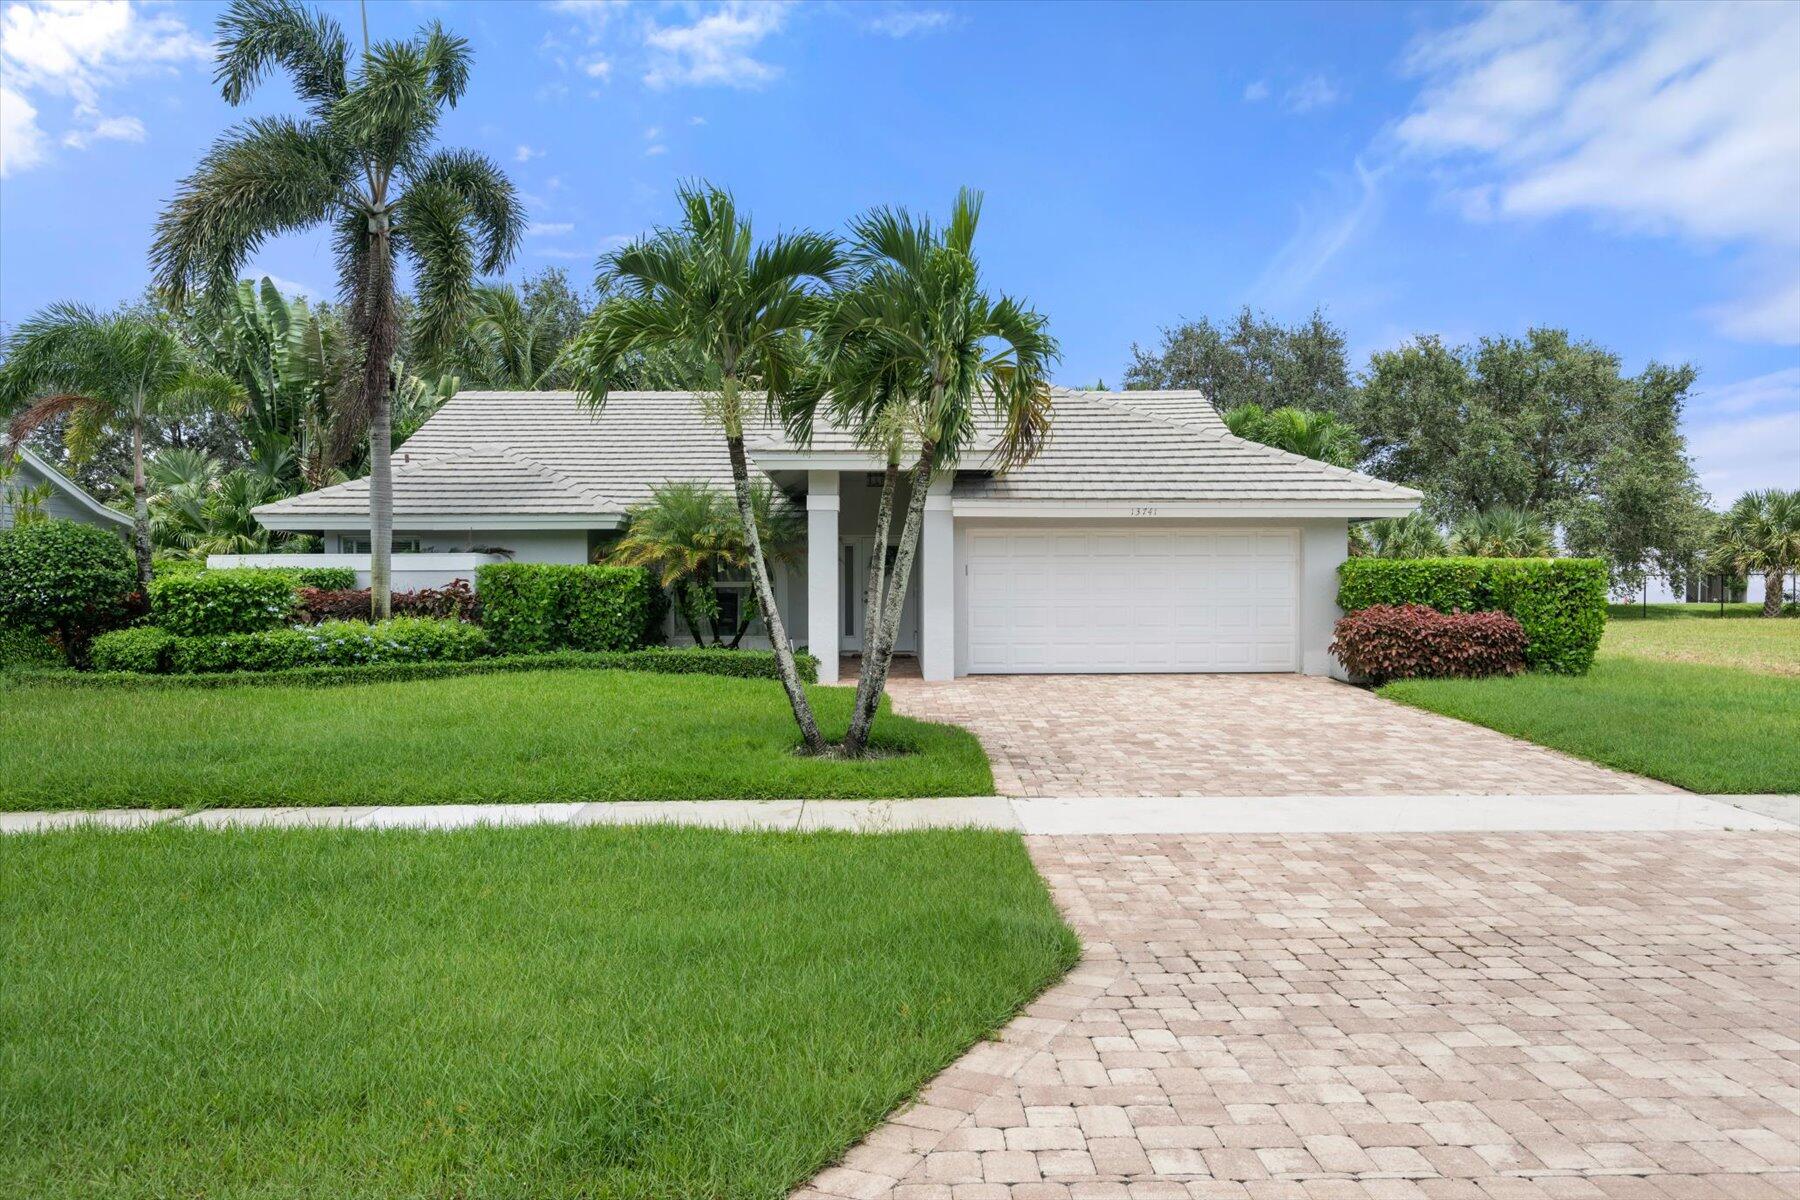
{"x":1706,"y":728}
{"x":534,"y":1013}
{"x":553,"y":735}
{"x":1754,"y":643}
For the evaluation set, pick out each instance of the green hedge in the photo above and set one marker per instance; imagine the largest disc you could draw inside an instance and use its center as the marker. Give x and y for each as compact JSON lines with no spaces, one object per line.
{"x":737,"y":664}
{"x":330,"y":644}
{"x":211,"y":603}
{"x":330,"y":579}
{"x":25,"y":648}
{"x":1559,"y":602}
{"x":532,"y":608}
{"x":145,"y":648}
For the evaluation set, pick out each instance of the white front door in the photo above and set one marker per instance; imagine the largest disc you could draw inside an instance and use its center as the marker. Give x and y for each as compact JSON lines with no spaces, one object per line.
{"x":1105,"y":599}
{"x":853,"y":584}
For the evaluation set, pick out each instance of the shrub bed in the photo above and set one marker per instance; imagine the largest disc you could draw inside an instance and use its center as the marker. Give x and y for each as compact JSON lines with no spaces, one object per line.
{"x":67,"y":579}
{"x":213,"y":603}
{"x":1413,"y":641}
{"x":531,"y":608}
{"x":455,"y":599}
{"x":736,"y":664}
{"x":330,"y":644}
{"x":145,"y":648}
{"x":1560,"y":603}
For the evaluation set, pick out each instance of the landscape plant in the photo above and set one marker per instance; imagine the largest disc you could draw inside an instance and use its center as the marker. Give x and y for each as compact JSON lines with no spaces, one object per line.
{"x":1760,"y":534}
{"x":1306,"y":432}
{"x":1502,"y":532}
{"x":1413,"y":641}
{"x":361,"y":161}
{"x":706,"y":291}
{"x":530,"y":608}
{"x":241,"y":600}
{"x":67,"y":579}
{"x":1413,"y":536}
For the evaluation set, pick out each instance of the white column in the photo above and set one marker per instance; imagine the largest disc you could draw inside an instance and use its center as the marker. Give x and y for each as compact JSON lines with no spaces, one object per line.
{"x":823,"y":560}
{"x":1323,"y":546}
{"x":937,"y":585}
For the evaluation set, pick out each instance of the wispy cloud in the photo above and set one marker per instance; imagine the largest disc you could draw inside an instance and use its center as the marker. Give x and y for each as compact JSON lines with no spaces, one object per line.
{"x":1256,"y":91}
{"x":899,"y":21}
{"x":717,"y":48}
{"x":549,"y":228}
{"x":526,"y":153}
{"x":75,"y":52}
{"x":1326,"y":227}
{"x":1662,"y":120}
{"x":1310,"y":94}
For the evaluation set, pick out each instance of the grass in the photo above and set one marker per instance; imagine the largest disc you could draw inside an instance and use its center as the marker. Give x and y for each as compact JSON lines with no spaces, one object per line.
{"x":612,"y":1013}
{"x":564,"y":735}
{"x":1700,"y":725}
{"x":1753,"y":643}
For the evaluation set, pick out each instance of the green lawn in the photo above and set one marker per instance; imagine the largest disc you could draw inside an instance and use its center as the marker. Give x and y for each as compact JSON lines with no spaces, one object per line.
{"x":618,"y":1013}
{"x":1753,"y":643}
{"x":554,"y":735}
{"x":1706,"y":728}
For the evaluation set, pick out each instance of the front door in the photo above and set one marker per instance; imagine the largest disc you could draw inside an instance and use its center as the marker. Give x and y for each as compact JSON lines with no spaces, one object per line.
{"x":853,"y":582}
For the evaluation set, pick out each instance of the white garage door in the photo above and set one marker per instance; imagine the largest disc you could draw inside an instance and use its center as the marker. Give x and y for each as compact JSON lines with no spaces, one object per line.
{"x":1097,"y":600}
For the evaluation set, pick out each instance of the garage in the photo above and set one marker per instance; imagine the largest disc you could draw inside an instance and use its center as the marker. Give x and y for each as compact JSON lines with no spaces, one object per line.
{"x":1118,"y":599}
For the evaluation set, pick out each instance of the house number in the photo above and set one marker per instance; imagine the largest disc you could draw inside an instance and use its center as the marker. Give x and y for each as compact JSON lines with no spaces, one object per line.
{"x":1143,"y":512}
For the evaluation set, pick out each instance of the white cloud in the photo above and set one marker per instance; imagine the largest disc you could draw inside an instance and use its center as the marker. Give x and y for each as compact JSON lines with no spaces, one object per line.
{"x":1257,"y":91}
{"x":696,"y":120}
{"x":902,"y":22}
{"x":1739,"y":456}
{"x":549,"y":228}
{"x":1777,"y":389}
{"x":717,"y":48}
{"x":597,"y":66}
{"x":653,"y":151}
{"x":526,"y":153}
{"x":1672,"y":120}
{"x":1313,"y":92}
{"x":1324,"y":231}
{"x":1771,"y":315}
{"x":74,"y":50}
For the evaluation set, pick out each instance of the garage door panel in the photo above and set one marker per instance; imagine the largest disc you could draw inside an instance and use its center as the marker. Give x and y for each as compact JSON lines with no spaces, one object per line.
{"x":1106,"y":600}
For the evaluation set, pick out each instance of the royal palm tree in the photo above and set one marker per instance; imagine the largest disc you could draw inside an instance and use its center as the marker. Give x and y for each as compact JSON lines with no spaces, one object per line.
{"x":1502,"y":532}
{"x":1301,"y":431}
{"x":1412,"y":536}
{"x":706,"y":291}
{"x":1760,"y":534}
{"x":360,"y":160}
{"x":913,"y":355}
{"x":106,"y":375}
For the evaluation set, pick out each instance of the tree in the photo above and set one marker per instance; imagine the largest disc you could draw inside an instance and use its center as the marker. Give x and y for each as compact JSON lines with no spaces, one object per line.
{"x":360,"y":160}
{"x":1502,"y":532}
{"x":1299,"y":431}
{"x":707,"y":291}
{"x":65,"y":578}
{"x":1255,"y":360}
{"x":913,"y":353}
{"x":1760,"y":534}
{"x":106,"y":374}
{"x":689,"y":535}
{"x":1413,"y":536}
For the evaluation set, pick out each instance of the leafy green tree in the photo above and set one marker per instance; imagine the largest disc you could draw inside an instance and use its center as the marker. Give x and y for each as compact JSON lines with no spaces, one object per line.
{"x":706,"y":291}
{"x":1760,"y":534}
{"x":1253,"y":360}
{"x":913,"y":353}
{"x":1415,"y":535}
{"x":1299,"y":431}
{"x":1502,"y":532}
{"x":361,"y":161}
{"x":104,"y":375}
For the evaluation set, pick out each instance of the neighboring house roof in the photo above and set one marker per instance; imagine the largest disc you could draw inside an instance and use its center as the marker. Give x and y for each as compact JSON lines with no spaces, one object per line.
{"x":80,"y":504}
{"x":531,"y":459}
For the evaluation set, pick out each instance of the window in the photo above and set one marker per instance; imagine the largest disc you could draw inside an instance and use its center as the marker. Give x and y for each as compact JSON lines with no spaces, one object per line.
{"x":355,"y":545}
{"x":849,"y":591}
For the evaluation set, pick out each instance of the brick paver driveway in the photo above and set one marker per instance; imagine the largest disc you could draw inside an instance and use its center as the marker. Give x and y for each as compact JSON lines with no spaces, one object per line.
{"x":1386,"y":1017}
{"x":1236,"y":735}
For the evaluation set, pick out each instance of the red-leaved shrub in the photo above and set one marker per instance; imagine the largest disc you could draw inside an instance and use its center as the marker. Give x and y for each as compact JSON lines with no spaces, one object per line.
{"x":1411,"y":641}
{"x":455,"y":599}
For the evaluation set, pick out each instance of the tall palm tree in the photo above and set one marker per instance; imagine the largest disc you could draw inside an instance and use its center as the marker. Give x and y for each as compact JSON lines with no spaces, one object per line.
{"x":1302,"y":431}
{"x":913,"y":353}
{"x":360,"y":160}
{"x":1761,"y":534}
{"x":706,"y":291}
{"x":106,"y":374}
{"x":1502,"y":532}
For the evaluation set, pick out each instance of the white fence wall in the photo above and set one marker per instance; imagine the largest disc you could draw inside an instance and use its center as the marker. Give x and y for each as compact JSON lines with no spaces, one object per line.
{"x":410,"y":571}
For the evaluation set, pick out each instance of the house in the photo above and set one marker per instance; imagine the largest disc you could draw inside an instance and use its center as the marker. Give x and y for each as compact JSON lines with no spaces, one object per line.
{"x":36,"y":484}
{"x":1144,"y":538}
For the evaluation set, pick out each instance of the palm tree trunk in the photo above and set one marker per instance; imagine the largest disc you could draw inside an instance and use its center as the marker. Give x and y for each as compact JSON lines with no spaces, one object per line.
{"x":140,"y":494}
{"x":765,"y":599}
{"x":379,"y":335}
{"x":862,"y":719}
{"x":685,"y":607}
{"x":1772,"y":588}
{"x":875,"y":594}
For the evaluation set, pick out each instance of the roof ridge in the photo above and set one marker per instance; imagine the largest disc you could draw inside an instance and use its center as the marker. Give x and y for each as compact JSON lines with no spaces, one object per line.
{"x":1107,"y":398}
{"x":514,"y":454}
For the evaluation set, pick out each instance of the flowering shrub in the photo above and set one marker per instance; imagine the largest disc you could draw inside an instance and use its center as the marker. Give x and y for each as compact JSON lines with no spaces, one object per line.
{"x":1412,"y":641}
{"x":241,"y":600}
{"x":67,"y":579}
{"x":330,"y":644}
{"x":455,"y":599}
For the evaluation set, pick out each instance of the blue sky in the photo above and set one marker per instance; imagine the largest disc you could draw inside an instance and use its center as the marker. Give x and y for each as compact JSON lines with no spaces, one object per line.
{"x":1627,"y":172}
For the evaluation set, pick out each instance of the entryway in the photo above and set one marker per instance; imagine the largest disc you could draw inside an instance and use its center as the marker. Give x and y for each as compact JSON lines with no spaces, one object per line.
{"x":853,"y":584}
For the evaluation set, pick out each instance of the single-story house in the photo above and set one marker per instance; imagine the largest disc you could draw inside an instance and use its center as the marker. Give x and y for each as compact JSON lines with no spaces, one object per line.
{"x":63,"y":498}
{"x":1144,"y":538}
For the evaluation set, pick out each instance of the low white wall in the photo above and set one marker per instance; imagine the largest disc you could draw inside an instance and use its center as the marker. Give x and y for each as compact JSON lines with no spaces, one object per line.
{"x":410,"y":571}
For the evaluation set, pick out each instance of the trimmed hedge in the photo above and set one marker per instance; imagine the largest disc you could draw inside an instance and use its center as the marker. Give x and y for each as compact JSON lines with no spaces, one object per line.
{"x":1412,"y":641}
{"x":1560,"y":603}
{"x":213,"y":603}
{"x":145,"y":648}
{"x":331,"y":644}
{"x":735,"y":664}
{"x":68,"y":579}
{"x":26,"y":648}
{"x":531,"y":608}
{"x":330,"y":579}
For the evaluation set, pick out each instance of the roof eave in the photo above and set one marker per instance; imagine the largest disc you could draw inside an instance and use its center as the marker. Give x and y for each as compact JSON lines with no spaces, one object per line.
{"x":294,"y":522}
{"x":1348,"y":509}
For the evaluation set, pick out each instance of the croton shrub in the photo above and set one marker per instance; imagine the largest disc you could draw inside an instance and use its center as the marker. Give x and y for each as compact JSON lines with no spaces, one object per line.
{"x":1414,"y":641}
{"x":455,"y":599}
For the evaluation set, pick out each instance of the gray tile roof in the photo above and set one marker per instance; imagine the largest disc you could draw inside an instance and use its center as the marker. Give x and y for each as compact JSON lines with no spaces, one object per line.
{"x":546,"y":454}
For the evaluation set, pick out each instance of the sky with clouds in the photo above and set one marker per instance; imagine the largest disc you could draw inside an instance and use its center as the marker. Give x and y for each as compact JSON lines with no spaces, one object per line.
{"x":1628,"y":171}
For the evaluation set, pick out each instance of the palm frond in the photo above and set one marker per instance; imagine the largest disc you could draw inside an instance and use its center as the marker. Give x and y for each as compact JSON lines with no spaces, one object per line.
{"x":447,"y":60}
{"x":495,"y":213}
{"x":256,"y":35}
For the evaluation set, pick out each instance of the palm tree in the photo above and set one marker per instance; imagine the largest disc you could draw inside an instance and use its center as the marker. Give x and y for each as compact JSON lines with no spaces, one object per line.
{"x":361,"y":161}
{"x":1412,"y":536}
{"x":708,"y":292}
{"x":1761,"y":534}
{"x":106,"y":375}
{"x":506,"y":345}
{"x":1502,"y":532}
{"x":1301,"y":431}
{"x":913,"y":353}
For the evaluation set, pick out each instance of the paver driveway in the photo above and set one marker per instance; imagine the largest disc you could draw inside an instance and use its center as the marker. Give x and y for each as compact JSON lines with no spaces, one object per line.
{"x":1386,"y":1017}
{"x":1236,"y":735}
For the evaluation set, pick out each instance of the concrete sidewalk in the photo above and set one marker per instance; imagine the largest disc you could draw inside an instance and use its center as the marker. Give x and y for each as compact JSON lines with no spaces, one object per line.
{"x":1053,"y":816}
